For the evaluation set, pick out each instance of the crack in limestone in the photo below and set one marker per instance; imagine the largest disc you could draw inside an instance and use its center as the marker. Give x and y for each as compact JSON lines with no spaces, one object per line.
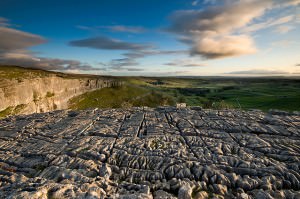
{"x":181,"y":135}
{"x":75,"y":137}
{"x":141,"y":126}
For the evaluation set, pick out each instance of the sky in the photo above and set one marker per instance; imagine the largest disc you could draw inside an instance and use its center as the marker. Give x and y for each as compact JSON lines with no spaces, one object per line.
{"x":153,"y":37}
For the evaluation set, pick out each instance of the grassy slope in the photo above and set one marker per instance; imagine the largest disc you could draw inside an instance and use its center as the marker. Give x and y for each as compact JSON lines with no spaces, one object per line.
{"x":120,"y":97}
{"x":12,"y":110}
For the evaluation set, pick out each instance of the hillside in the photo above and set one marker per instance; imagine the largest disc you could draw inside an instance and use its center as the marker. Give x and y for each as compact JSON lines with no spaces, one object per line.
{"x":125,"y":96}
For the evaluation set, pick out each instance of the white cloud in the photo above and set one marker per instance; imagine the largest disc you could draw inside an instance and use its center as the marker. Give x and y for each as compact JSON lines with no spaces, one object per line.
{"x":267,"y":24}
{"x":186,"y":63}
{"x":282,"y":20}
{"x":194,"y":3}
{"x":224,"y":46}
{"x":283,"y":43}
{"x":284,"y":29}
{"x":287,"y":2}
{"x":212,"y":32}
{"x":225,"y":30}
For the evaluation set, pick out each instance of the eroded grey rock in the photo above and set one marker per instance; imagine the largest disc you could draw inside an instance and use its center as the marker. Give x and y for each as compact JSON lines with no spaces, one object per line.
{"x":150,"y":153}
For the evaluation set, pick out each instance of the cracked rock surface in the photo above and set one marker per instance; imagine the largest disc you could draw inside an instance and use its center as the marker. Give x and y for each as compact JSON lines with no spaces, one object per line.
{"x":151,"y":153}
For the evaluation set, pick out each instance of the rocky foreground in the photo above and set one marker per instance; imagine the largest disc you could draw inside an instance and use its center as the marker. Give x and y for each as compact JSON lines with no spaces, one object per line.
{"x":150,"y":153}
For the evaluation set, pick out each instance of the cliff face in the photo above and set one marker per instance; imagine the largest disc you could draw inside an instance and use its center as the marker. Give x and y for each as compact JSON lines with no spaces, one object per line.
{"x":43,"y":94}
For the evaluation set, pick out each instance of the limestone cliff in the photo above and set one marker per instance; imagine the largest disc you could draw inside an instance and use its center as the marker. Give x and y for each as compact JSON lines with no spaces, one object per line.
{"x":43,"y":94}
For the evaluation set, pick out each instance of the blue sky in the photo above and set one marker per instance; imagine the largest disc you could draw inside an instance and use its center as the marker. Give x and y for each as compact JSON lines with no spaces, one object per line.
{"x":153,"y":37}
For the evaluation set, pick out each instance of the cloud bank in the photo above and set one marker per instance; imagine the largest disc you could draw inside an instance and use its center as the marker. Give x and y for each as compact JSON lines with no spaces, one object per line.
{"x":185,"y":63}
{"x":115,"y":28}
{"x":133,"y":51}
{"x":259,"y":72}
{"x":14,"y":46}
{"x":223,"y":31}
{"x":128,"y":29}
{"x":211,"y":32}
{"x":12,"y":39}
{"x":106,"y":43}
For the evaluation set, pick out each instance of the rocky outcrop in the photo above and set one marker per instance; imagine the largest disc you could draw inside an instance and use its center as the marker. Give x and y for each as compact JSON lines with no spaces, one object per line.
{"x":150,"y":153}
{"x":45,"y":94}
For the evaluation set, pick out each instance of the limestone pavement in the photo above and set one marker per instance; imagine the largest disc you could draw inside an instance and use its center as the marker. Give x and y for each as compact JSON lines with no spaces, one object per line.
{"x":150,"y":153}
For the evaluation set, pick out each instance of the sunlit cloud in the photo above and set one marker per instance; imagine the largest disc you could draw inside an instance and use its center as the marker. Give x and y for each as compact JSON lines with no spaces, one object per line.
{"x":287,"y":2}
{"x":211,"y":32}
{"x":284,"y":29}
{"x":224,"y":46}
{"x":283,"y":43}
{"x":225,"y":30}
{"x":185,"y":63}
{"x":267,"y":24}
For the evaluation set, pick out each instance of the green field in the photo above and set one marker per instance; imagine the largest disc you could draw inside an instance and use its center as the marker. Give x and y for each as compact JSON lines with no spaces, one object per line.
{"x":207,"y":92}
